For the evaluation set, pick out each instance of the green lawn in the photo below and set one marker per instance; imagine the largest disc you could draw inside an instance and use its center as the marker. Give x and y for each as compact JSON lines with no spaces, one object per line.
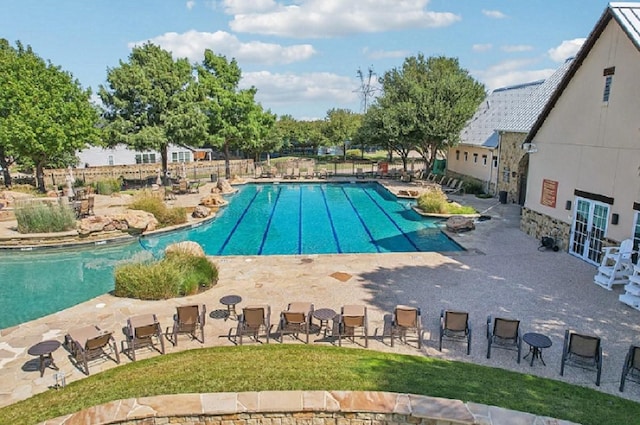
{"x":302,"y":367}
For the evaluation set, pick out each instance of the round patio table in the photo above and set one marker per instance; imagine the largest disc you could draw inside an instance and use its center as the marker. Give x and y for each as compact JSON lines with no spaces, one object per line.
{"x":230,"y":301}
{"x":324,"y":315}
{"x":44,"y":350}
{"x":536,"y":343}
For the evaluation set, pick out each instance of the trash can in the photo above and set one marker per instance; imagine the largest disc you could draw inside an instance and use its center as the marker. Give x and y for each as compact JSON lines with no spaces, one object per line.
{"x":502,"y":196}
{"x":214,"y":178}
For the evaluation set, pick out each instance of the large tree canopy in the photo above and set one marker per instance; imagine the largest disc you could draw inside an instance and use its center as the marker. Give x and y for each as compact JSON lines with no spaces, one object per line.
{"x":427,"y":102}
{"x":341,"y":127}
{"x":234,"y":119}
{"x":45,"y":115}
{"x":151,"y":101}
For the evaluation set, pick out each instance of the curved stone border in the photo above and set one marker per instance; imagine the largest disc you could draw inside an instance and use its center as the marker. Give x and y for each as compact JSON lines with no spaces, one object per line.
{"x":297,"y":408}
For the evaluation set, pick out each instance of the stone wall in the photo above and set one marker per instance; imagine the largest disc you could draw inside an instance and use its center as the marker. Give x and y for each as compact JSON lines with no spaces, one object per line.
{"x":511,"y":155}
{"x":538,"y":225}
{"x":295,"y":408}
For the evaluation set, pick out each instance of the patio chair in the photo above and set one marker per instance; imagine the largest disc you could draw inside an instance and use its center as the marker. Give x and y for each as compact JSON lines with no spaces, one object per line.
{"x":296,"y":320}
{"x":454,"y":325}
{"x":583,"y":351}
{"x":189,"y":319}
{"x":406,"y":319}
{"x":353,"y":318}
{"x":631,"y":367}
{"x":323,"y":173}
{"x":359,"y":173}
{"x":143,"y":331}
{"x":254,"y":318}
{"x":90,"y":343}
{"x":616,"y":265}
{"x":503,"y":333}
{"x":457,"y":188}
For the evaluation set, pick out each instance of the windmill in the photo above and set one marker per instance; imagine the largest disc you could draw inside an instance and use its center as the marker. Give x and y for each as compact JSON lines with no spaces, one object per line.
{"x":366,"y":90}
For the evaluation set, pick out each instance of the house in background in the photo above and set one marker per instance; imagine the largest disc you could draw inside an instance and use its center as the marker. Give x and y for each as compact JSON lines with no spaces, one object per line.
{"x":512,"y":131}
{"x":583,"y":184}
{"x":120,"y":155}
{"x":476,"y":155}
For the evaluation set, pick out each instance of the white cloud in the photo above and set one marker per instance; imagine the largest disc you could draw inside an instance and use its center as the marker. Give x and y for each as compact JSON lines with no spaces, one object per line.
{"x":482,"y":47}
{"x":192,"y":44}
{"x":288,"y":89}
{"x":190,"y":4}
{"x":386,"y":54}
{"x":241,"y":7}
{"x":512,"y":72}
{"x":328,"y":18}
{"x":494,"y":14}
{"x":566,"y":49}
{"x":516,"y":48}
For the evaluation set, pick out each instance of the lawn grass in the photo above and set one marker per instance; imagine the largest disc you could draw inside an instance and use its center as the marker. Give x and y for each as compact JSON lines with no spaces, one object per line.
{"x":302,"y":367}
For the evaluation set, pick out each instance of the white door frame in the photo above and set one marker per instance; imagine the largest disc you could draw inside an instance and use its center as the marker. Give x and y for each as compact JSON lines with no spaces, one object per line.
{"x":588,"y":229}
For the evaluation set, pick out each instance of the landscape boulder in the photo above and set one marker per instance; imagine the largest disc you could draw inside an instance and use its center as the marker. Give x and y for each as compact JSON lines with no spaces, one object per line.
{"x":138,"y":220}
{"x":460,"y":224}
{"x":186,"y":247}
{"x":223,"y":187}
{"x":200,"y":211}
{"x":213,"y":200}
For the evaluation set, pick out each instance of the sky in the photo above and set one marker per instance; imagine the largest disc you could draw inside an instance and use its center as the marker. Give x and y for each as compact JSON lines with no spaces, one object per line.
{"x":305,"y":56}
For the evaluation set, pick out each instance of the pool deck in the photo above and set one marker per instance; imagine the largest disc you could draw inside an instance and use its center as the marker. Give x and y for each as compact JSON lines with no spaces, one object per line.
{"x":501,"y":272}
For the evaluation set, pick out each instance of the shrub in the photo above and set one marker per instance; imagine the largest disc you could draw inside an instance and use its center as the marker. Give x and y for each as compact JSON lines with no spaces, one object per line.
{"x":435,"y":202}
{"x":40,"y":217}
{"x":108,"y":186}
{"x":473,"y":187}
{"x":166,"y":216}
{"x":176,"y":275}
{"x":354,"y":153}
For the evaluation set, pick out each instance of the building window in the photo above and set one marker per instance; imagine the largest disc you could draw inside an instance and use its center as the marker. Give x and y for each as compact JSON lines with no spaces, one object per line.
{"x":138,"y":158}
{"x":457,"y":155}
{"x":484,"y":160}
{"x":146,"y":158}
{"x":495,"y":162}
{"x":174,"y":156}
{"x":608,"y":79}
{"x":466,"y":156}
{"x":475,"y":157}
{"x":110,"y":159}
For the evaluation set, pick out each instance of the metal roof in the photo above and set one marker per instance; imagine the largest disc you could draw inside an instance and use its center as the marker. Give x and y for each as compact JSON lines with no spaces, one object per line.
{"x":628,"y":16}
{"x":480,"y":129}
{"x":521,"y":118}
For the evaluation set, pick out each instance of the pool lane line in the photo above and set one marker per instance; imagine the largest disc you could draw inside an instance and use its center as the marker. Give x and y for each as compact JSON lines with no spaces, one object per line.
{"x":235,"y":226}
{"x":333,"y":228}
{"x":300,"y":221}
{"x":266,"y":230}
{"x":366,"y":229}
{"x":392,"y":220}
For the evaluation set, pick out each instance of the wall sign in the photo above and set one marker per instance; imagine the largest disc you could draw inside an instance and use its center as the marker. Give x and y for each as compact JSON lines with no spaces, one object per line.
{"x":549,"y":193}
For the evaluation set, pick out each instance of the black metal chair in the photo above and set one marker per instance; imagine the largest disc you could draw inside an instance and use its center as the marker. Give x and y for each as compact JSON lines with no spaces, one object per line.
{"x":454,"y":325}
{"x":503,"y":333}
{"x":583,"y":351}
{"x":631,"y":367}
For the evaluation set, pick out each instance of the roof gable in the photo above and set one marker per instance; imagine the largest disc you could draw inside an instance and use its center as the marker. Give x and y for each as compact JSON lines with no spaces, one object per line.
{"x":627,"y":16}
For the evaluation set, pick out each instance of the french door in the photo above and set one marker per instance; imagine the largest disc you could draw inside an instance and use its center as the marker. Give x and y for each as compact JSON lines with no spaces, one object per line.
{"x":588,"y":229}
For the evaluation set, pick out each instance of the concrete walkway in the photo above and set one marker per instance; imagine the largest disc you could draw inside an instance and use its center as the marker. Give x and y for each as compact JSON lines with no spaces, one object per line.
{"x":502,"y":272}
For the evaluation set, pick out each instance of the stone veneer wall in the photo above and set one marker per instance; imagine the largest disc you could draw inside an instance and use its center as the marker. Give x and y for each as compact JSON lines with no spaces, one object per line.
{"x":538,"y":225}
{"x":510,"y":155}
{"x":296,"y":408}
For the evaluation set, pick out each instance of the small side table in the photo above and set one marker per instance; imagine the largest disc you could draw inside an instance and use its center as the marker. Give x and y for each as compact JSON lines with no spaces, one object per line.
{"x":45,"y":350}
{"x":324,"y":315}
{"x":536,"y":343}
{"x":230,"y":301}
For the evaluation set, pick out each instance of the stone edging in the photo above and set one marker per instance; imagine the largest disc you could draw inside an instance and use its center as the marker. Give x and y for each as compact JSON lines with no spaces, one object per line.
{"x":296,"y":408}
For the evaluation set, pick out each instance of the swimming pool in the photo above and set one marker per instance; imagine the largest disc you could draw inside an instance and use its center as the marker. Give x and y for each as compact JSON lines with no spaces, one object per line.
{"x":300,"y":218}
{"x":261,"y":220}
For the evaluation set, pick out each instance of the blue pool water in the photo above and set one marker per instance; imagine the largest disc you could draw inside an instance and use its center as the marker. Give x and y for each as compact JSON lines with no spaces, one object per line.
{"x":260,"y":220}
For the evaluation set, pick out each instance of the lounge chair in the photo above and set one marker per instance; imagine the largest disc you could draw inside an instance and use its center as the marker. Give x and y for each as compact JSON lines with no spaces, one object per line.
{"x":189,"y":319}
{"x":296,"y":320}
{"x":353,"y":318}
{"x":583,"y":351}
{"x":359,"y":173}
{"x":288,"y":174}
{"x":454,"y":325}
{"x":631,"y":367}
{"x":89,"y":343}
{"x":406,"y":319}
{"x":322,"y":173}
{"x":254,"y":319}
{"x":616,"y":265}
{"x":504,"y":333}
{"x":457,"y":188}
{"x":143,"y":331}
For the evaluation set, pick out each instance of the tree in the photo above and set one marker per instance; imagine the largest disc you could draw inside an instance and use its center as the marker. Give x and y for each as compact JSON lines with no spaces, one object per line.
{"x":151,"y":101}
{"x":427,"y":103}
{"x":341,"y":126}
{"x":45,"y":115}
{"x":233,"y":116}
